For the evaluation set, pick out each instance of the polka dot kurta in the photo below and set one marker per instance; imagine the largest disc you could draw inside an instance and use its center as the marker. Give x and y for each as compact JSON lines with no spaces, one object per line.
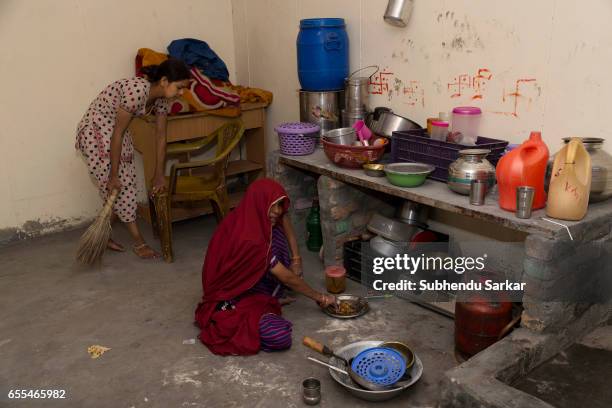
{"x":95,"y":131}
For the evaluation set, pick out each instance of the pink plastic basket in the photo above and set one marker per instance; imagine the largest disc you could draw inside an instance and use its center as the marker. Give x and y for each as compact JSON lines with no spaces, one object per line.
{"x":297,"y":138}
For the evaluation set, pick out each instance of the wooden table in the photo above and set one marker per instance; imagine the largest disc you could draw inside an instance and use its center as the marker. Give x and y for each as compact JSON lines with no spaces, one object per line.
{"x":198,"y":125}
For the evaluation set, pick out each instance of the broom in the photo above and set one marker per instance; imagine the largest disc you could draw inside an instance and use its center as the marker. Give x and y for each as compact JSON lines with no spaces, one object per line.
{"x":94,"y":241}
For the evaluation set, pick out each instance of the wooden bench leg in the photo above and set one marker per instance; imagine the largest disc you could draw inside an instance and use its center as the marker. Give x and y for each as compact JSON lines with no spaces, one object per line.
{"x":164,"y":221}
{"x":153,"y":217}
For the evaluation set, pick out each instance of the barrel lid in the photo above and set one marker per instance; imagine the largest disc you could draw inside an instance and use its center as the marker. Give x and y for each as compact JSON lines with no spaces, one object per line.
{"x":297,"y":128}
{"x":321,"y":22}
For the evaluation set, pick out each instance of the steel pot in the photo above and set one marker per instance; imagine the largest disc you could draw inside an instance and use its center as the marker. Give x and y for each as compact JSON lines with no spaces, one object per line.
{"x":471,"y":165}
{"x":384,"y":122}
{"x":398,"y":12}
{"x":322,"y":108}
{"x":356,"y":91}
{"x":349,"y":118}
{"x":601,"y":167}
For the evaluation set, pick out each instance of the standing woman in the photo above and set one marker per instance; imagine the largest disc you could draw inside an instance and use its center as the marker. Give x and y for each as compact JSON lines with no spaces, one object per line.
{"x":105,"y":141}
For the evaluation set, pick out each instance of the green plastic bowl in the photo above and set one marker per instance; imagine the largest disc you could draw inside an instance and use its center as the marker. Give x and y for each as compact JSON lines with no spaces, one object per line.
{"x":408,"y":174}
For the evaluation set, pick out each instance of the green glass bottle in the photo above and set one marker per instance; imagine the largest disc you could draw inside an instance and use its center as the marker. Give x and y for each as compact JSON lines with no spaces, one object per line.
{"x":313,"y":226}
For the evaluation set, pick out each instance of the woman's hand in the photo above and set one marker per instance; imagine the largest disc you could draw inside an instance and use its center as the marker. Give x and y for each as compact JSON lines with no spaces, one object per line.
{"x":326,"y":300}
{"x":296,"y":266}
{"x":159,"y":185}
{"x":113,"y":184}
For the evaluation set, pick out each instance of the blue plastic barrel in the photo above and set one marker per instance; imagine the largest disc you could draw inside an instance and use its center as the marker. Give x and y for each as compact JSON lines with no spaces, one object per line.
{"x":322,"y":54}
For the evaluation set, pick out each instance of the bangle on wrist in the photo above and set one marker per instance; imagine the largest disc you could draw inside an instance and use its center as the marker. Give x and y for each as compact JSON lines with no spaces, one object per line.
{"x":296,"y":258}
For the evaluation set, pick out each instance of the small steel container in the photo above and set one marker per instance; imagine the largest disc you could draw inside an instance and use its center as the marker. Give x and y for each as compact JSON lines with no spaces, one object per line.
{"x":478,"y":191}
{"x":311,"y":391}
{"x":524,"y":201}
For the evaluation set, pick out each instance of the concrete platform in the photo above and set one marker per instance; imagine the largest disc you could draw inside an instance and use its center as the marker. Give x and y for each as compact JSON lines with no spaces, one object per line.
{"x":582,"y":369}
{"x":51,"y":310}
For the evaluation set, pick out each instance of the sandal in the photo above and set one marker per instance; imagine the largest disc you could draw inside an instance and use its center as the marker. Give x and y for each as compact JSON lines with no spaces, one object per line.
{"x":150,"y":254}
{"x":114,"y":246}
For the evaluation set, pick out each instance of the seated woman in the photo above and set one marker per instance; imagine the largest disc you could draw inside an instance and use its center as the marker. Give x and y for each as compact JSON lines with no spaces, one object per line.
{"x":245,"y":270}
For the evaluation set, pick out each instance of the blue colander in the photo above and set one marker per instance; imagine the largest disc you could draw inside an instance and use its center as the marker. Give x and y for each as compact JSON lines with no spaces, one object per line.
{"x":379,"y":365}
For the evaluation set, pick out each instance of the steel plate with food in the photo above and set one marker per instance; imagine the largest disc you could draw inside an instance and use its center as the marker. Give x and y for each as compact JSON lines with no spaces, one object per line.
{"x":348,"y":307}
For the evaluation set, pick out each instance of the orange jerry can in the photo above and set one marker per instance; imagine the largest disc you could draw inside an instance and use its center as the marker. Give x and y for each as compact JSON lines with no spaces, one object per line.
{"x":523,"y":166}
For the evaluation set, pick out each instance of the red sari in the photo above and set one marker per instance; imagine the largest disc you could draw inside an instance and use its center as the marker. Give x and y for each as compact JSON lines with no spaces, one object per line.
{"x":237,"y":257}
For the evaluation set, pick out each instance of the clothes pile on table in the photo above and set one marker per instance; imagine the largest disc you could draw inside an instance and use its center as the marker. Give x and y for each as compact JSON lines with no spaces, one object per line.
{"x":210,"y":88}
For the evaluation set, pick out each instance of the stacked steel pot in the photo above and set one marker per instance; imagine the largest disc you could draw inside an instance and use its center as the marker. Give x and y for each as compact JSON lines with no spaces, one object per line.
{"x":356,"y":97}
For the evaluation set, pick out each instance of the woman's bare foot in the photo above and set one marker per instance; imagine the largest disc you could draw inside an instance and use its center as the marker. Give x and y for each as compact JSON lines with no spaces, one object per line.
{"x":287,"y":300}
{"x":144,"y":251}
{"x":114,"y":246}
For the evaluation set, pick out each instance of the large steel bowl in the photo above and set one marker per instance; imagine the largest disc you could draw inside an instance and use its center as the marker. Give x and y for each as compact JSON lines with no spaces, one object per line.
{"x":350,"y":351}
{"x":391,"y":229}
{"x":342,"y":136}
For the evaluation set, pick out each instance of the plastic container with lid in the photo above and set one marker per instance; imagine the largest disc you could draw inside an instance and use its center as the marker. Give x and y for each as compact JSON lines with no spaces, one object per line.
{"x":335,"y":279}
{"x":439,"y":130}
{"x":322,"y":54}
{"x":466,"y":120}
{"x":444,"y":116}
{"x":297,"y":138}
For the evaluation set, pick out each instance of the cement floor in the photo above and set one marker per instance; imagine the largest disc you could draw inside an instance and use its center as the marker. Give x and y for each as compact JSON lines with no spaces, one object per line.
{"x":51,"y":310}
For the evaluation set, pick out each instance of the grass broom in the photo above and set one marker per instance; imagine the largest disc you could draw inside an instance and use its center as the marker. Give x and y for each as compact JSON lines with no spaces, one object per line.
{"x":94,"y":241}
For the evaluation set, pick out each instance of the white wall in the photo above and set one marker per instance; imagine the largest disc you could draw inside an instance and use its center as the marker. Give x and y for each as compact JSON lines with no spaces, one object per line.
{"x":56,"y":57}
{"x":559,"y":51}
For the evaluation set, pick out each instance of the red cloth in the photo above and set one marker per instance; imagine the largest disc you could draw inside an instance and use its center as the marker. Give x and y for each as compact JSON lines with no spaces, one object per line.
{"x":237,"y":257}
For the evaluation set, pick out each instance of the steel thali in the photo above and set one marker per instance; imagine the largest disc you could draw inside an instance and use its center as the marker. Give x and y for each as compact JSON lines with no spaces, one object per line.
{"x":359,"y":304}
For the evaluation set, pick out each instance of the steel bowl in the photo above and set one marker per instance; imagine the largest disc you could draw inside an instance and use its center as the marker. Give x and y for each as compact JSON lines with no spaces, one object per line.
{"x":374,"y":170}
{"x":393,"y":230}
{"x":384,"y":122}
{"x":350,"y":351}
{"x":413,"y":214}
{"x":342,"y":136}
{"x":404,"y":349}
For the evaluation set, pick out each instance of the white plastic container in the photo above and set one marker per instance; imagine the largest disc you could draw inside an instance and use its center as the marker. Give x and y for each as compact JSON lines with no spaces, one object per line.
{"x":466,"y":120}
{"x":439,"y":130}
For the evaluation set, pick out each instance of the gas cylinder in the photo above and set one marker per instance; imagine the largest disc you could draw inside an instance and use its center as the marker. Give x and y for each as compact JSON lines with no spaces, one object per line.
{"x":523,"y":166}
{"x":479,"y":322}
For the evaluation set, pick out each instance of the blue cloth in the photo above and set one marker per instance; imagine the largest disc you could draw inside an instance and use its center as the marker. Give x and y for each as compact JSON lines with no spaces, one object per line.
{"x":197,"y":53}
